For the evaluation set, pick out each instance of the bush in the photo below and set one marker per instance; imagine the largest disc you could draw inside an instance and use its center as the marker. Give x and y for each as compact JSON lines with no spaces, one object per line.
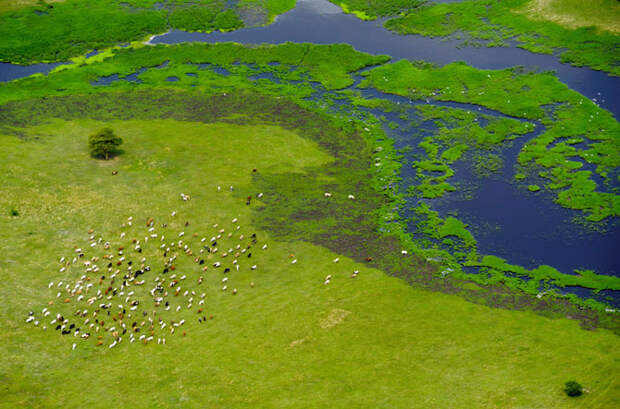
{"x":14,"y":212}
{"x":573,"y":388}
{"x":104,"y":143}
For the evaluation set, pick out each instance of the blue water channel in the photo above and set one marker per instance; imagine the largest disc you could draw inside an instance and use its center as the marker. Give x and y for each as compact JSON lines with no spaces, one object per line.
{"x":525,"y":228}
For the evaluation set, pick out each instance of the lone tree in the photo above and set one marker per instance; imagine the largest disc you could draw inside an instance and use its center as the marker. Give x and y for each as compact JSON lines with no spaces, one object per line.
{"x":104,"y":143}
{"x":573,"y":388}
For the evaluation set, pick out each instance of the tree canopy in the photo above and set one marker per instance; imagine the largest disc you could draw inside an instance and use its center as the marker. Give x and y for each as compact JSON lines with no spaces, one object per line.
{"x":104,"y":143}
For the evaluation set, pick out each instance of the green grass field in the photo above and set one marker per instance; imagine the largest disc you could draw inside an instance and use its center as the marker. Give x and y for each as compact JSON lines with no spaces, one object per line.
{"x":291,"y":341}
{"x":602,"y":14}
{"x":382,"y":339}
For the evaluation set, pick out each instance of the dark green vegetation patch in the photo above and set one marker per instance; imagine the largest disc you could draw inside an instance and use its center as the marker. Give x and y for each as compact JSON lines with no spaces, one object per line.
{"x":371,"y":9}
{"x":57,"y":31}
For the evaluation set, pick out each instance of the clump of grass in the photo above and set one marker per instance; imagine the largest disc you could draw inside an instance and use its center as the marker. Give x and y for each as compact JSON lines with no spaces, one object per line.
{"x":13,"y":212}
{"x":573,"y":388}
{"x":533,"y":188}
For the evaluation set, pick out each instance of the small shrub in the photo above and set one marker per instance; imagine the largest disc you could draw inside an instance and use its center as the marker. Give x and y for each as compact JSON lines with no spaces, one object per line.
{"x":573,"y":388}
{"x":14,"y":212}
{"x":104,"y":143}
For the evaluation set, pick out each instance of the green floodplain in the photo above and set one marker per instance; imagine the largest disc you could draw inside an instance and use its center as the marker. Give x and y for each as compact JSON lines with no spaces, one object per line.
{"x":581,"y":34}
{"x":337,"y":306}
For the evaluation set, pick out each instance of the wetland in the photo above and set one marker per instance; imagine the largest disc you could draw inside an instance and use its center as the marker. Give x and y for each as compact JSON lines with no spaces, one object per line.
{"x":446,"y":184}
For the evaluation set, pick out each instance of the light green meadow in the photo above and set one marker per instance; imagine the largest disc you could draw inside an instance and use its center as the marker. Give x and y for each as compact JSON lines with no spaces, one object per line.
{"x":291,"y":341}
